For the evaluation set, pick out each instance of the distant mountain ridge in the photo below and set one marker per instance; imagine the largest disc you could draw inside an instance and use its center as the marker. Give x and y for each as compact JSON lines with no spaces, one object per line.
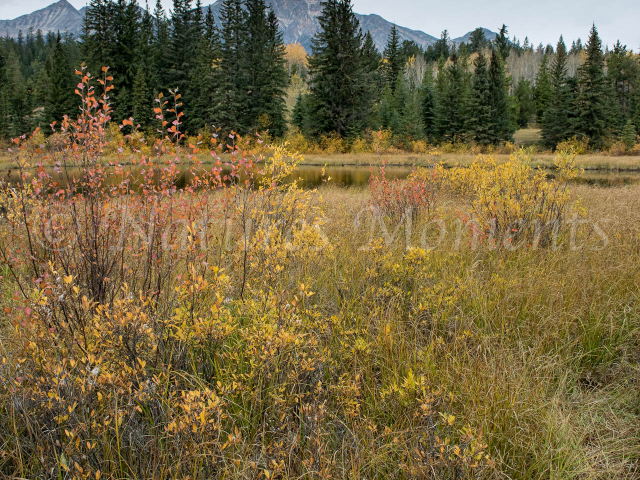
{"x":60,"y":16}
{"x":298,"y":18}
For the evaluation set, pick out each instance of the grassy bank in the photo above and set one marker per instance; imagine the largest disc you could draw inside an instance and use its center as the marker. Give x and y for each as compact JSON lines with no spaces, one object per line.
{"x":588,"y":162}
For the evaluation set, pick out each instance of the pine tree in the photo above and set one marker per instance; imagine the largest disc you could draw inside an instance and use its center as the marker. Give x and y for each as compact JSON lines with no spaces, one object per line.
{"x":592,"y":120}
{"x":336,"y":85}
{"x":542,"y":91}
{"x":393,"y":62}
{"x":557,"y":121}
{"x":480,"y":118}
{"x":501,"y":122}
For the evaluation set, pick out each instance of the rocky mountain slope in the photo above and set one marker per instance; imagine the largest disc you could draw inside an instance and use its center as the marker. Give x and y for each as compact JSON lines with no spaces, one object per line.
{"x":60,"y":16}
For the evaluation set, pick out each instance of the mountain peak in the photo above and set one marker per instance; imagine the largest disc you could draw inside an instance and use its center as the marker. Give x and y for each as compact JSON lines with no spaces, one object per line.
{"x":60,"y":16}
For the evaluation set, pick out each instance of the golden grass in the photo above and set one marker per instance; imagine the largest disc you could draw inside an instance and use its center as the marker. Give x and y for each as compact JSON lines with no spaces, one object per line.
{"x":363,"y":359}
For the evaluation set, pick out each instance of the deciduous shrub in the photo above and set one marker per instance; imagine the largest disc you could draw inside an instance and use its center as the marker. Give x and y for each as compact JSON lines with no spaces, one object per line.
{"x":513,"y":202}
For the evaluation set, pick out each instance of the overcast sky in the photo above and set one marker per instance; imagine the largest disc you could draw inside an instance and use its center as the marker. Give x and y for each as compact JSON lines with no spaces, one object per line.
{"x":540,"y":20}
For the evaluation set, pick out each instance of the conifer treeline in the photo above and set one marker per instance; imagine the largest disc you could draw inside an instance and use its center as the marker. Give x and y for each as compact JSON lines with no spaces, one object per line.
{"x":235,"y":76}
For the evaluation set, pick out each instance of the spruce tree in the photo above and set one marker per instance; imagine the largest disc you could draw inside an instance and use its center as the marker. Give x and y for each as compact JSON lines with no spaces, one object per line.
{"x":299,"y":113}
{"x":274,"y":78}
{"x":5,"y":109}
{"x":543,"y":92}
{"x":622,"y":70}
{"x":411,"y":121}
{"x":526,"y":105}
{"x":124,"y":57}
{"x":141,"y":98}
{"x":441,"y":47}
{"x":162,"y":61}
{"x":142,"y":93}
{"x":336,"y":71}
{"x":451,"y":102}
{"x":203,"y":83}
{"x":628,"y":135}
{"x":232,"y":75}
{"x":265,"y":70}
{"x":480,"y":118}
{"x":389,"y":110}
{"x":393,"y":62}
{"x":503,"y":45}
{"x":592,"y":120}
{"x":98,"y":35}
{"x":185,"y":37}
{"x":477,"y":41}
{"x":428,"y":103}
{"x":373,"y":79}
{"x":501,"y":122}
{"x":60,"y":101}
{"x":557,"y":121}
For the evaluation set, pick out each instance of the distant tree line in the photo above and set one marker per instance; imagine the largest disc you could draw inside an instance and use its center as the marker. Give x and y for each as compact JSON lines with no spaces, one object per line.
{"x":235,"y":76}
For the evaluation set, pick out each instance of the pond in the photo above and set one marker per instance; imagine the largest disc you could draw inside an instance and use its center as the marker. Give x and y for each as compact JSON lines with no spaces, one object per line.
{"x":358,"y":176}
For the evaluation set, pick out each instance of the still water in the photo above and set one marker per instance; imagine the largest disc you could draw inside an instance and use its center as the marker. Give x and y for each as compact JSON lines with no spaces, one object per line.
{"x":354,"y":176}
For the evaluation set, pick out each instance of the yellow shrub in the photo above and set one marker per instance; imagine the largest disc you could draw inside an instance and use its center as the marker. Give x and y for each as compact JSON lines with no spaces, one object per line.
{"x":512,"y":201}
{"x":580,"y":146}
{"x":618,"y":149}
{"x":332,"y":144}
{"x":298,"y":142}
{"x":361,"y":145}
{"x":419,"y":146}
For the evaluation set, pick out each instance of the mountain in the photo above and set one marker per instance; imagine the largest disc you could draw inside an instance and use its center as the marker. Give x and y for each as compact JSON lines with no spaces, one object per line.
{"x":381,"y":28}
{"x":60,"y":16}
{"x":299,"y":22}
{"x":298,"y":18}
{"x":488,"y":34}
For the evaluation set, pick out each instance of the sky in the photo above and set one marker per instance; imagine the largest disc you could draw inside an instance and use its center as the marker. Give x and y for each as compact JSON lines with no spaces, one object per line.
{"x":541,"y":20}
